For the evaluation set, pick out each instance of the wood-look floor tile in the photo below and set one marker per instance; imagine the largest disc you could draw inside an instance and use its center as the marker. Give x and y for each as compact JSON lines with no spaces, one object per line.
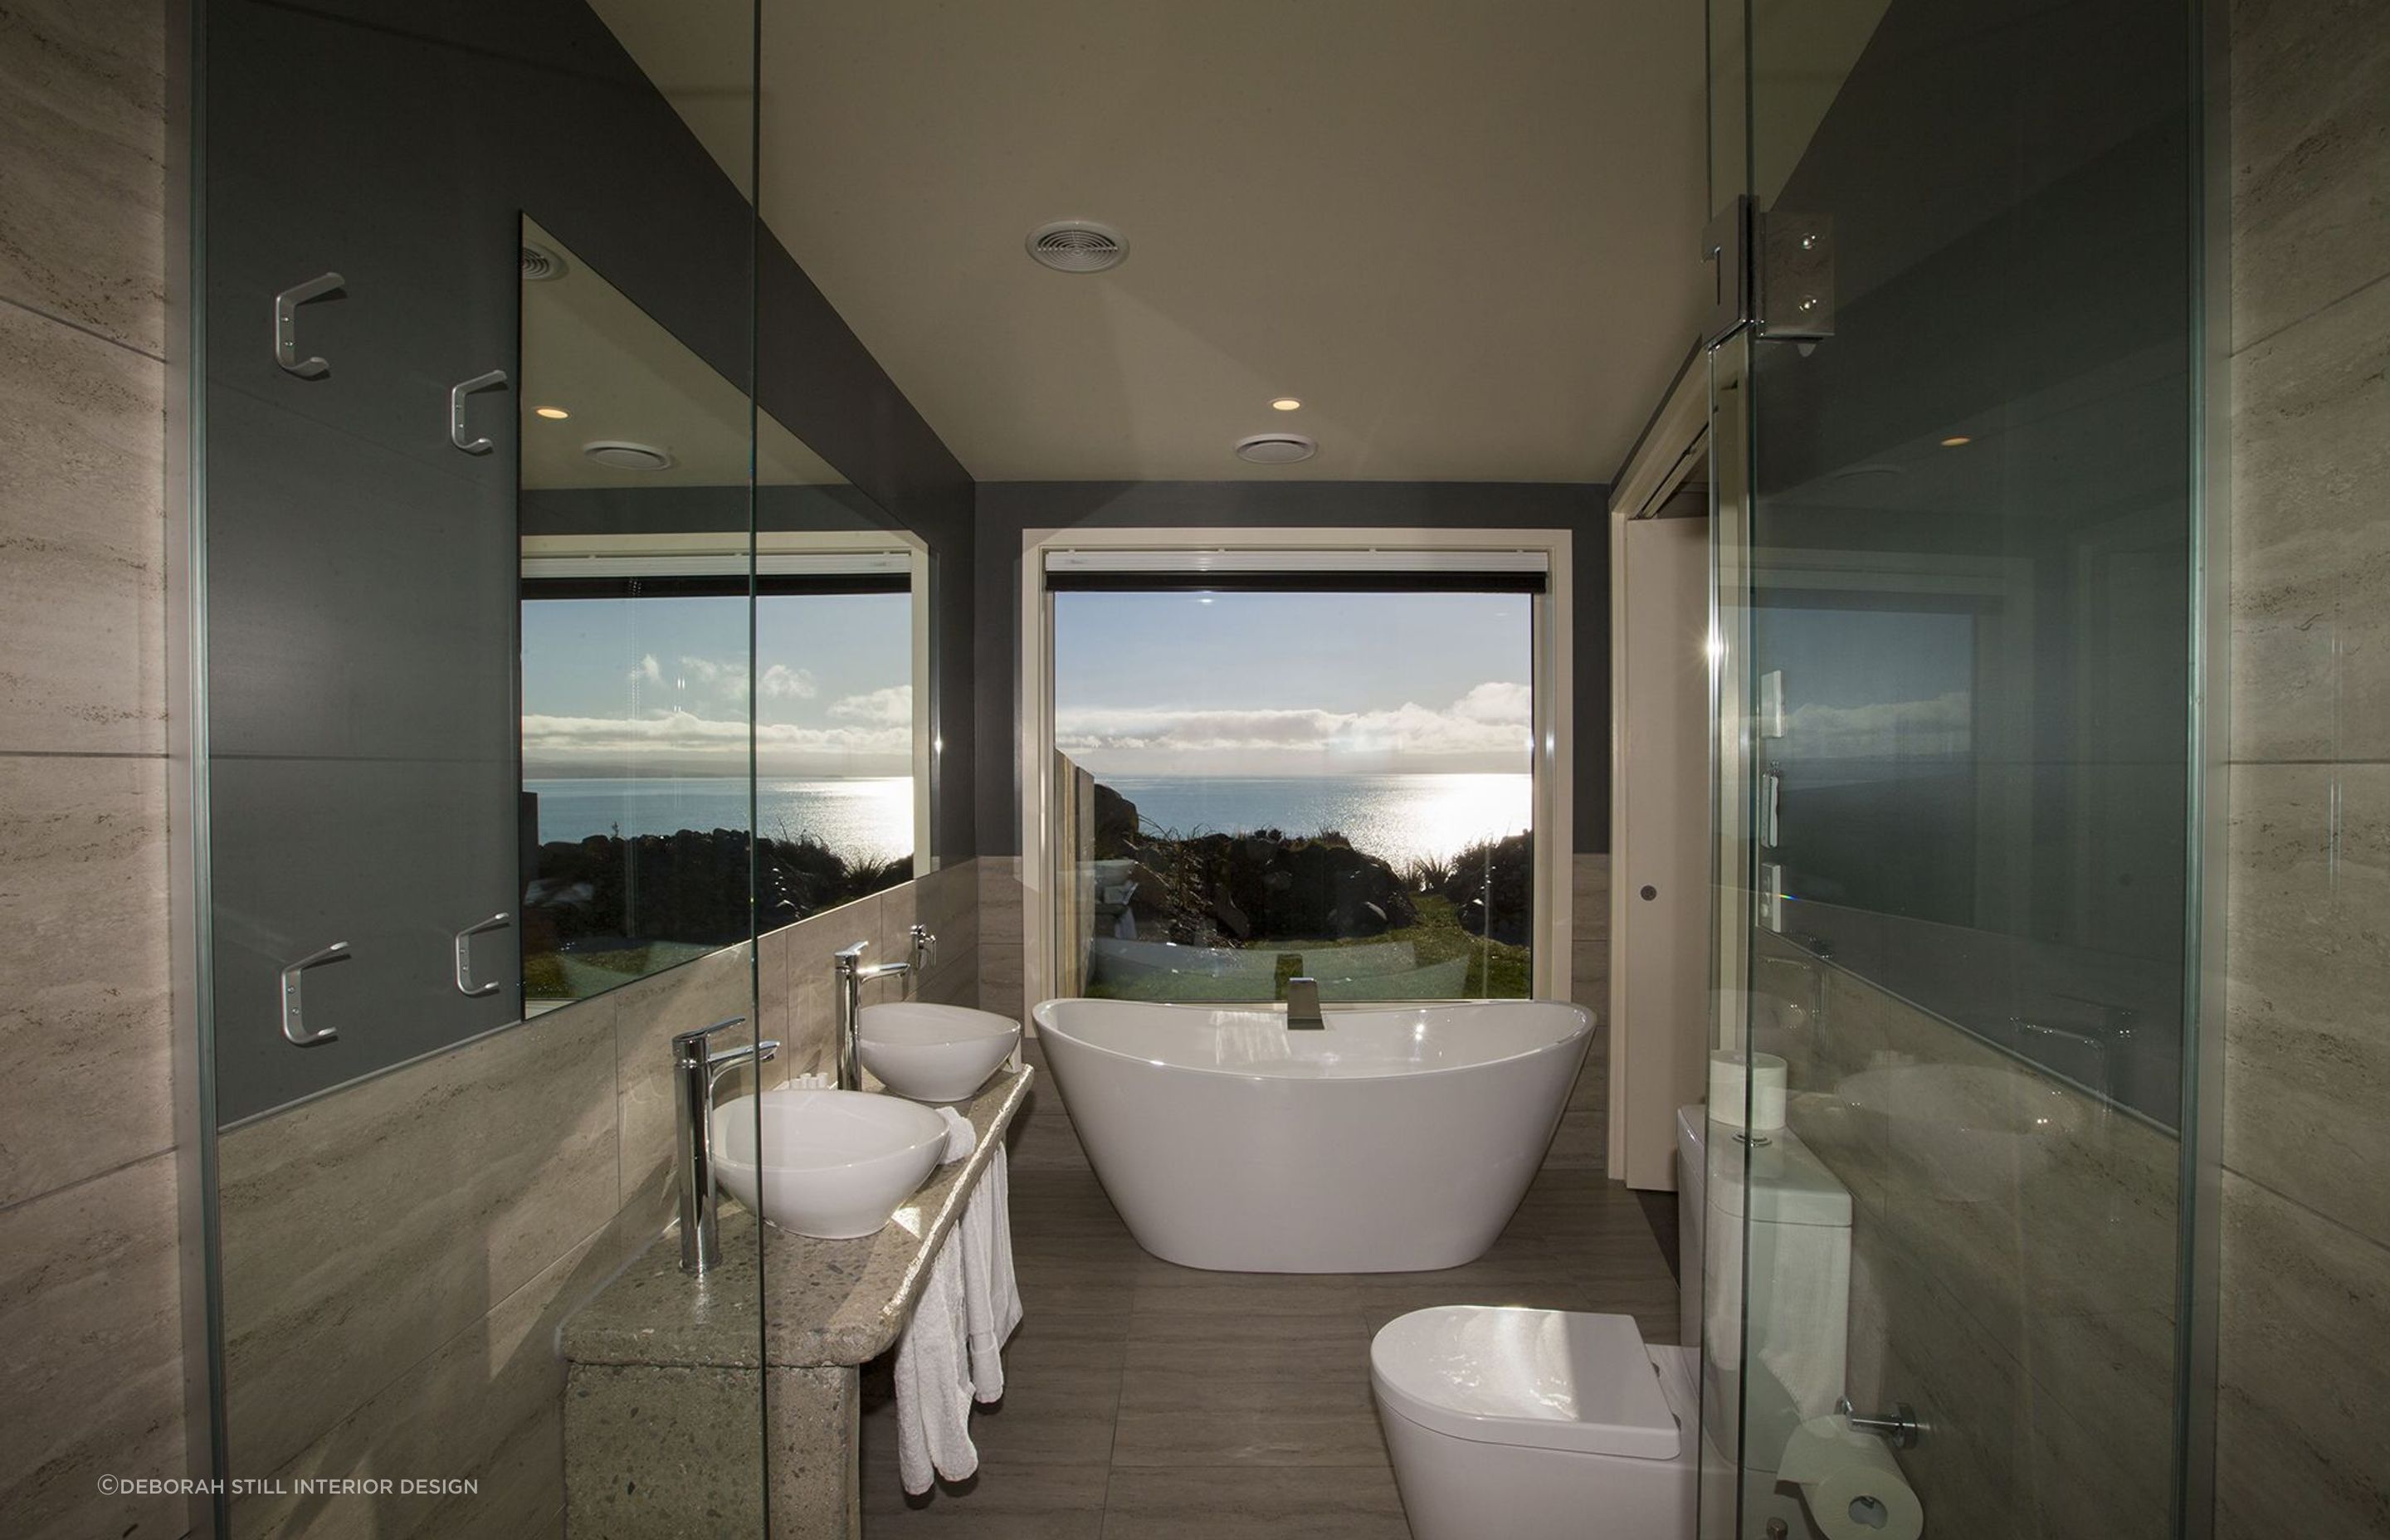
{"x":1327,"y":1347}
{"x":1325,"y":1434}
{"x":1003,"y":1497}
{"x":1247,"y":1503}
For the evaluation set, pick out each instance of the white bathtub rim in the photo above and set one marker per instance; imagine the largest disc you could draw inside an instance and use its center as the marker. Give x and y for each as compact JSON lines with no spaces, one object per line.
{"x":1585,"y":1025}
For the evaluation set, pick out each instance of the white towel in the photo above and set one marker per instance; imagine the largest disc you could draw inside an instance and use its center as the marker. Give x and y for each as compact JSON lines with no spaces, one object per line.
{"x":991,"y":1292}
{"x":934,"y":1387}
{"x":961,"y":1137}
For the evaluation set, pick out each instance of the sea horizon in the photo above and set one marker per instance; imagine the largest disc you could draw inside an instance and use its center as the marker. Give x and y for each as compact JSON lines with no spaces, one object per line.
{"x":1399,"y":816}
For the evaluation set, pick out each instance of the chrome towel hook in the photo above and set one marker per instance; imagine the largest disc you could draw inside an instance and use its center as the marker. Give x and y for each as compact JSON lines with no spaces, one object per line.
{"x":464,"y":938}
{"x":295,"y":1025}
{"x":285,"y":326}
{"x":457,"y":395}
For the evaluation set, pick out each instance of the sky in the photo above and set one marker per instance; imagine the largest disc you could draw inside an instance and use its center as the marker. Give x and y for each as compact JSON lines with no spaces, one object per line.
{"x":1292,"y":683}
{"x":660,"y":685}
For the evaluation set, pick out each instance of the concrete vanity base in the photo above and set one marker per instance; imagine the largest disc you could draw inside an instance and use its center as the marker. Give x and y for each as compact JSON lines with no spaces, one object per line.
{"x":687,"y":1399}
{"x":662,"y":1450}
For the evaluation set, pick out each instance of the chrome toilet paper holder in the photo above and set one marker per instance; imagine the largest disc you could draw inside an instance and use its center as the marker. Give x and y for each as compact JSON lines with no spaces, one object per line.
{"x":1900,"y":1427}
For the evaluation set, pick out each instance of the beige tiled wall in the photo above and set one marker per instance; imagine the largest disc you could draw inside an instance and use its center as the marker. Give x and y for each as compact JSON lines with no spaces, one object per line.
{"x":2306,"y":1284}
{"x":2025,"y":1308}
{"x":399,"y":1255}
{"x":90,"y":1316}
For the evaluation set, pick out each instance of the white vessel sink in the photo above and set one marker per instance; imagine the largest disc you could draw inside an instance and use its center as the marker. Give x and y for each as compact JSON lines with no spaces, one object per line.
{"x":834,"y":1164}
{"x":933,"y":1053}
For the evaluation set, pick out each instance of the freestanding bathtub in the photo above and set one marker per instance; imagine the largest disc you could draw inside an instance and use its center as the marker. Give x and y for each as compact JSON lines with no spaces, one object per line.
{"x":1396,"y":1139}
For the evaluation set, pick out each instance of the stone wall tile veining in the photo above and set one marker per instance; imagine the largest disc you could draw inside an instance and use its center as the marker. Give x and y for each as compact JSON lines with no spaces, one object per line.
{"x":2310,"y":547}
{"x":82,"y":940}
{"x":83,"y":605}
{"x":1589,"y":898}
{"x":2304,"y":1374}
{"x":2306,"y":1042}
{"x":90,"y":1351}
{"x":366,"y":1230}
{"x":499,"y":1389}
{"x":2310,"y":116}
{"x":83,"y":164}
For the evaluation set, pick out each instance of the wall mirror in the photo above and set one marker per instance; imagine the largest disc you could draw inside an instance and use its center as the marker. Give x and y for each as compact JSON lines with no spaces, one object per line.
{"x":719,"y":676}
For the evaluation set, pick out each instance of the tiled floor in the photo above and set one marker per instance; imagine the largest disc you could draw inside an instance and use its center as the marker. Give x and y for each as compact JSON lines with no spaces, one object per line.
{"x":1153,"y":1402}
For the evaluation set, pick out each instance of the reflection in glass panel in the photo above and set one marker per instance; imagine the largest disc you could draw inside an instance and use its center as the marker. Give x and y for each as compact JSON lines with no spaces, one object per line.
{"x":1970,"y":560}
{"x":1257,"y":786}
{"x":642,"y":713}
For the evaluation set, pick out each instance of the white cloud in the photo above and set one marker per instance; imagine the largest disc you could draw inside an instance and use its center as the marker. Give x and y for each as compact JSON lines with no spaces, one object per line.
{"x":1940,"y":728}
{"x":688,"y":743}
{"x":781,"y":682}
{"x":648,"y":670}
{"x":892,"y":707}
{"x":1488,"y":724}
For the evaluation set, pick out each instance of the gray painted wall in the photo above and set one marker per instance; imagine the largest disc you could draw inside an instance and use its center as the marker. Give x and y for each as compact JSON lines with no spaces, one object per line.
{"x":1005,"y":510}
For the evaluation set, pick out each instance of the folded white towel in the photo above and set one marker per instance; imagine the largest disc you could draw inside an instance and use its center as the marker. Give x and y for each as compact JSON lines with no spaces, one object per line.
{"x":961,"y":1137}
{"x":933,"y":1388}
{"x":991,"y":1292}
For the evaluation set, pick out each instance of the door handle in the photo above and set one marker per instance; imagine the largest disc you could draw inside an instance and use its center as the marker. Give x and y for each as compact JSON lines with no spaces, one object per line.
{"x":457,"y":395}
{"x":285,"y":326}
{"x":295,"y":1025}
{"x":465,"y":985}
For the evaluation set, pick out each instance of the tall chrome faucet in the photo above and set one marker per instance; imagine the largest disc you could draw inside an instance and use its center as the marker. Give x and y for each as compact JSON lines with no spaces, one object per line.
{"x":851,"y":976}
{"x":696,"y":1071}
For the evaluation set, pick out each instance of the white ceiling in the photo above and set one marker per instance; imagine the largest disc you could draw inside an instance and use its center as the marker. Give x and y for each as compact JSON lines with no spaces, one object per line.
{"x":1463,"y":234}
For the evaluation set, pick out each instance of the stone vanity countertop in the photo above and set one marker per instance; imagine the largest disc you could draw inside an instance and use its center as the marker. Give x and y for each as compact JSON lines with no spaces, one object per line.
{"x":831,"y":1301}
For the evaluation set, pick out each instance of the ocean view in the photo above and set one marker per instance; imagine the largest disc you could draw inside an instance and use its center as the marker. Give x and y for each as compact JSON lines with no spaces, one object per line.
{"x":1399,"y":818}
{"x":866,"y":817}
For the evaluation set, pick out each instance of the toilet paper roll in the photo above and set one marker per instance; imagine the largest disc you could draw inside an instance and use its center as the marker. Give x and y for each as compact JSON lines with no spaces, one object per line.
{"x":1730,"y":1068}
{"x":1851,"y":1482}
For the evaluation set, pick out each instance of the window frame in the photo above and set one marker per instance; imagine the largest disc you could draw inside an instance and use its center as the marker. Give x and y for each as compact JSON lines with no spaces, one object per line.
{"x":1293,"y":550}
{"x":767,"y":554}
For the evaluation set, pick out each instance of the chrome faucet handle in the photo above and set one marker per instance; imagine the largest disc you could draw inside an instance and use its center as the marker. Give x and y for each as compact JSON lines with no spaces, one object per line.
{"x":848,"y":956}
{"x":760,"y":1052}
{"x":720,"y":1064}
{"x":685,"y":1043}
{"x":925,"y":947}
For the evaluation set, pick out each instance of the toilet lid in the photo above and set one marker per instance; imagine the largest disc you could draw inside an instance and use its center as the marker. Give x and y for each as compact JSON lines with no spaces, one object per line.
{"x":1544,"y":1378}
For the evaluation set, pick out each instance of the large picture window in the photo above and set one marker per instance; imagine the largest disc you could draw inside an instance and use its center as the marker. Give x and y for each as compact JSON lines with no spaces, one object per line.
{"x":1296,"y":770}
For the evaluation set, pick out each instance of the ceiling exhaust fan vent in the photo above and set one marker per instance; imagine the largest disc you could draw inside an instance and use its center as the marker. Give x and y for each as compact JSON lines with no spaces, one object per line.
{"x":540,"y":265}
{"x":1077,"y":246}
{"x":623,"y":454}
{"x":1276,"y":448}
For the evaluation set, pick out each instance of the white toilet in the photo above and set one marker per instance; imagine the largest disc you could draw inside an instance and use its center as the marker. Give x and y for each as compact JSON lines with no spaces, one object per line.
{"x":1513,"y":1424}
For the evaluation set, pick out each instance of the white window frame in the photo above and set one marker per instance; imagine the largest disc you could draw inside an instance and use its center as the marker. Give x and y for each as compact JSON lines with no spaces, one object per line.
{"x":1552,"y":839}
{"x":772,"y":552}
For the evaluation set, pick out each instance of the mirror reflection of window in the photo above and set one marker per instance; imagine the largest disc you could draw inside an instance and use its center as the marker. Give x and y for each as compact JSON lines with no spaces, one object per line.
{"x":718,"y":726}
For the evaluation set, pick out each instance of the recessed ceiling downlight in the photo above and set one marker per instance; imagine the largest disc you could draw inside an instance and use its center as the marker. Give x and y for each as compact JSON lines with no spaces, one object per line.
{"x":1077,"y":246}
{"x":1276,"y":448}
{"x":541,"y":265}
{"x":623,"y":454}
